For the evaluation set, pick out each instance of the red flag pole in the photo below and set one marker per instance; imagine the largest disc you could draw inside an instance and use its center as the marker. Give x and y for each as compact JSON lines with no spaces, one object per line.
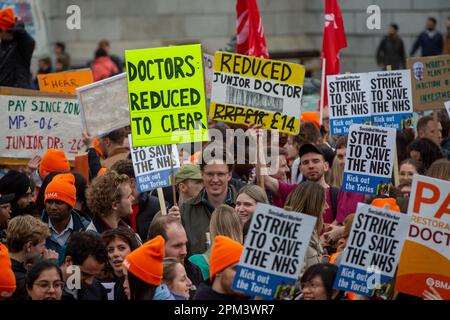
{"x":322,"y":89}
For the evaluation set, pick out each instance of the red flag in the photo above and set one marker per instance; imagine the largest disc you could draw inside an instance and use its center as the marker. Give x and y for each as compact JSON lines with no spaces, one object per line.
{"x":251,"y":40}
{"x":333,"y":40}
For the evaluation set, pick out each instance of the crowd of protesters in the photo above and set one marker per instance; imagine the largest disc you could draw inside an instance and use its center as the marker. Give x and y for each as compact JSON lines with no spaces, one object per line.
{"x":64,"y":238}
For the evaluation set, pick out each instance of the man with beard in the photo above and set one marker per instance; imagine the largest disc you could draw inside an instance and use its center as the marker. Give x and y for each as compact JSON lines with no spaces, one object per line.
{"x":19,"y":184}
{"x":63,"y":221}
{"x":85,"y":258}
{"x":313,"y":167}
{"x":430,"y":40}
{"x":5,"y":214}
{"x":174,"y":234}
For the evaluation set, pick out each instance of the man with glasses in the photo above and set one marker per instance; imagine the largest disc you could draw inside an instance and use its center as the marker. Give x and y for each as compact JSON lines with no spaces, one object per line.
{"x":19,"y":184}
{"x":196,"y":212}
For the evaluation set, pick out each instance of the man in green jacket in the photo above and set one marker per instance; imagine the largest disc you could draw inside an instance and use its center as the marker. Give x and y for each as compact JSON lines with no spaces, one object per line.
{"x":196,"y":212}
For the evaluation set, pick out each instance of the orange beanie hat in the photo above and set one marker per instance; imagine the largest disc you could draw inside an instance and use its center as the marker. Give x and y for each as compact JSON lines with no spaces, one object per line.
{"x":7,"y":277}
{"x":102,"y":171}
{"x":54,"y":160}
{"x":389,"y":202}
{"x":146,"y":262}
{"x":7,"y":19}
{"x":96,"y":144}
{"x":62,"y":188}
{"x":311,"y":116}
{"x":224,"y":253}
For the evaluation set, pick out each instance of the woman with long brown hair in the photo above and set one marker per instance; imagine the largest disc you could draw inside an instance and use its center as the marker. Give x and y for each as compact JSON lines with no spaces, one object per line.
{"x":309,"y":198}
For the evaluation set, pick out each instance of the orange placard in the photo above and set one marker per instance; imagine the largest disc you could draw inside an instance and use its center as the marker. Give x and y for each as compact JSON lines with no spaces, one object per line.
{"x":65,"y":82}
{"x":425,"y":259}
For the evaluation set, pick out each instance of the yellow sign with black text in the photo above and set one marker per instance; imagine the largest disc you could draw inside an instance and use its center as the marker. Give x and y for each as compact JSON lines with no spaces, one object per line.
{"x":166,"y":95}
{"x":253,"y":90}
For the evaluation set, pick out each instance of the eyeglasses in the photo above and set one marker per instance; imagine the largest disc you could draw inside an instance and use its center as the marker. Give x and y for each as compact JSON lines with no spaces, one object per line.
{"x":45,"y":285}
{"x":211,"y":175}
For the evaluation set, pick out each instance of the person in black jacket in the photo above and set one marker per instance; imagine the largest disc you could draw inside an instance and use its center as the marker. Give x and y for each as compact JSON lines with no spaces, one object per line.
{"x":391,"y":51}
{"x":16,"y":50}
{"x":430,"y":40}
{"x":85,"y":258}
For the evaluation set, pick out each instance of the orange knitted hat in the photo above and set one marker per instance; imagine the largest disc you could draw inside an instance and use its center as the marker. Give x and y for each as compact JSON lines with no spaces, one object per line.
{"x":224,"y":253}
{"x":311,"y":116}
{"x":62,"y":188}
{"x":7,"y":19}
{"x":146,"y":262}
{"x":391,"y":203}
{"x":7,"y":277}
{"x":54,"y":160}
{"x":102,"y":171}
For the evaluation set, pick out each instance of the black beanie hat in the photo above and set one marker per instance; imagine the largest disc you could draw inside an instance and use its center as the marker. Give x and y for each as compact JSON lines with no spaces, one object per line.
{"x":14,"y":182}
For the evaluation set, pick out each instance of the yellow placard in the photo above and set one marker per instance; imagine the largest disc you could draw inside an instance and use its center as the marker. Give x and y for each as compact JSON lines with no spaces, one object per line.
{"x":264,"y":69}
{"x":253,"y":90}
{"x":245,"y":116}
{"x":65,"y":82}
{"x":166,"y":95}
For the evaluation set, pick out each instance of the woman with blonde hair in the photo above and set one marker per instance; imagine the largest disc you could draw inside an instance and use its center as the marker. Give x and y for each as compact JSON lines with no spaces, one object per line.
{"x":247,"y":199}
{"x":176,"y":279}
{"x":224,"y":222}
{"x":309,"y":198}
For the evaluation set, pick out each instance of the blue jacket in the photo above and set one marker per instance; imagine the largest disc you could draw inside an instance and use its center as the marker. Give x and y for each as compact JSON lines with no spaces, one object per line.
{"x":430,"y":46}
{"x":79,"y":224}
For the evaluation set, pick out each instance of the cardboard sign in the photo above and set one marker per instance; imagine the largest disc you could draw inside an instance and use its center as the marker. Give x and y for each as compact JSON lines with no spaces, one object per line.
{"x":425,"y":259}
{"x":349,"y":101}
{"x":166,"y":95}
{"x":104,"y":105}
{"x":208,"y":70}
{"x":447,"y":107}
{"x":369,"y":160}
{"x":430,"y":81}
{"x":274,"y":251}
{"x":391,"y":99}
{"x":247,"y":89}
{"x":65,"y":82}
{"x":152,"y":166}
{"x":32,"y":122}
{"x":372,"y":251}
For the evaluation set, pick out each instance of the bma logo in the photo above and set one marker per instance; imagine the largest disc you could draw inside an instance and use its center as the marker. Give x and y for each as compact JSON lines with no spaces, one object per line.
{"x":52,"y":195}
{"x":437,"y":283}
